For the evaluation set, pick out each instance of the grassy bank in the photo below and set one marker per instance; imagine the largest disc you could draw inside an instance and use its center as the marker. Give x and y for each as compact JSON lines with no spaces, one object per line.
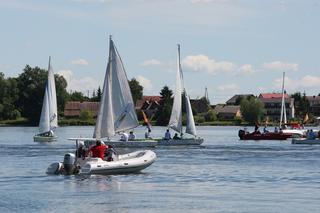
{"x":76,"y":122}
{"x":16,"y":122}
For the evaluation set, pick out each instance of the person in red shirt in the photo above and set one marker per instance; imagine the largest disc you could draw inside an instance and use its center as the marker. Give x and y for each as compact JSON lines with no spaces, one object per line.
{"x":98,"y":150}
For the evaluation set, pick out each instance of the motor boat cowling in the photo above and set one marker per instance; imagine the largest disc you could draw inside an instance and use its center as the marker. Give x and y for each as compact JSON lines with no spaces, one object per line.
{"x":55,"y":168}
{"x":69,"y":164}
{"x":241,"y":133}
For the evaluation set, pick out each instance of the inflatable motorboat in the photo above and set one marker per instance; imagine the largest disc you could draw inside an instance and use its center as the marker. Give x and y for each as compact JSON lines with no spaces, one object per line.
{"x":128,"y":163}
{"x":113,"y":163}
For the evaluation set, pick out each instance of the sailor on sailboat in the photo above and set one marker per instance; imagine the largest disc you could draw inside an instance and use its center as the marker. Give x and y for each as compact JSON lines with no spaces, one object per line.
{"x":175,"y":122}
{"x":49,"y":116}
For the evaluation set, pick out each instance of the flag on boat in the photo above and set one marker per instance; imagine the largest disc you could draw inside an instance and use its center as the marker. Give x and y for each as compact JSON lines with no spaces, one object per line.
{"x":146,"y":120}
{"x":266,"y":121}
{"x":306,"y":118}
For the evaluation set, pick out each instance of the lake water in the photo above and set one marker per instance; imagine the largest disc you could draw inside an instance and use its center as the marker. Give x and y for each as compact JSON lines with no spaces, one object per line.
{"x":223,"y":175}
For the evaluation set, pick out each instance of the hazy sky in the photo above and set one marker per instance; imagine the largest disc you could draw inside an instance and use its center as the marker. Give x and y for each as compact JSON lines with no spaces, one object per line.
{"x":230,"y":46}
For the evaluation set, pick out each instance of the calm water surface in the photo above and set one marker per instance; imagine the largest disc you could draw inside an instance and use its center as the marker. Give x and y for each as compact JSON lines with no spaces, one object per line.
{"x":223,"y":175}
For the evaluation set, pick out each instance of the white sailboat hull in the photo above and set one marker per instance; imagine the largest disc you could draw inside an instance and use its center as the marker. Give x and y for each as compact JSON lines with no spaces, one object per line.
{"x":306,"y":141}
{"x":132,"y":144}
{"x":118,"y":143}
{"x":180,"y":142}
{"x":128,"y":163}
{"x":38,"y":138}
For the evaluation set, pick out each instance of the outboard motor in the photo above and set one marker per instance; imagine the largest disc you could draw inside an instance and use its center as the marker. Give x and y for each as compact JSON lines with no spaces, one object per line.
{"x":241,"y":133}
{"x":69,"y":164}
{"x":55,"y":169}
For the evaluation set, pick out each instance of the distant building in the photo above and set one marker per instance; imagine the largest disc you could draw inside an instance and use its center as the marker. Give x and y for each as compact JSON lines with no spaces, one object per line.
{"x":314,"y":102}
{"x":200,"y":105}
{"x":272,"y":105}
{"x":227,"y":112}
{"x":73,"y":108}
{"x":149,"y":104}
{"x":235,"y":100}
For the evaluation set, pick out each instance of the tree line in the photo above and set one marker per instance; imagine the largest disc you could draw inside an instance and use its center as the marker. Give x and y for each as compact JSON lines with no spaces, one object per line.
{"x":22,"y":97}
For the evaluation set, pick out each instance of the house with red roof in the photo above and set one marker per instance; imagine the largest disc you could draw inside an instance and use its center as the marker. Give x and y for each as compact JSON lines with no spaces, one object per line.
{"x":149,"y":104}
{"x":272,"y":105}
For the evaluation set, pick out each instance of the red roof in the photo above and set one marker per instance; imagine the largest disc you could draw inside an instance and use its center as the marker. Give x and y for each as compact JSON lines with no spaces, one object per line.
{"x":148,"y":99}
{"x":151,"y":98}
{"x":272,"y":95}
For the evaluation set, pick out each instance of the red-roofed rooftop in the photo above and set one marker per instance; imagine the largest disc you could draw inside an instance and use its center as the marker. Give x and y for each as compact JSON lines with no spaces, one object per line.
{"x":272,"y":95}
{"x":148,"y":99}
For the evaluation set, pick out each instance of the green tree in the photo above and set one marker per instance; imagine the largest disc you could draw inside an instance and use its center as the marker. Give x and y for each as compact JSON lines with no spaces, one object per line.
{"x":164,"y":111}
{"x":96,"y":96}
{"x":99,"y":94}
{"x":211,"y":115}
{"x":8,"y":96}
{"x":31,"y":84}
{"x":136,"y":90}
{"x":77,"y":96}
{"x":62,"y":94}
{"x":85,"y":115}
{"x":301,"y":104}
{"x":252,"y":110}
{"x":241,"y":97}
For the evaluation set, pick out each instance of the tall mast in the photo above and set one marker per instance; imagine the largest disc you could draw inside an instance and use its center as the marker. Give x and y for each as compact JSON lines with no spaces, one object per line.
{"x":283,"y":116}
{"x":206,"y":94}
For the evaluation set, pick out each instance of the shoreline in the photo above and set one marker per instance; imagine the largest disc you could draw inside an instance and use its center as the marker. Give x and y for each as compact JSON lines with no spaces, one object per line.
{"x":22,"y":122}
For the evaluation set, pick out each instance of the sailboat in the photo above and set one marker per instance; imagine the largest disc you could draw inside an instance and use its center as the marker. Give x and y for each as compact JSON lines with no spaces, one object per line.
{"x":116,"y":113}
{"x":49,"y":116}
{"x":296,"y":132}
{"x":175,"y":122}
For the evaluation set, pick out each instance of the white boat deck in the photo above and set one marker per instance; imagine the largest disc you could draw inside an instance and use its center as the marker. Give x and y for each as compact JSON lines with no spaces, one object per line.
{"x":180,"y":142}
{"x":118,"y":143}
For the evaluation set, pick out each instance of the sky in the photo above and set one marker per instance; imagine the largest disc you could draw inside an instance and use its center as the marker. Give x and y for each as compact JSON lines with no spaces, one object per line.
{"x":229,"y":46}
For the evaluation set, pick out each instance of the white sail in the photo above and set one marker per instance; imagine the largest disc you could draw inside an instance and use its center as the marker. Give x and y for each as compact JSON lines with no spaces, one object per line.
{"x":191,"y":127}
{"x":175,"y":122}
{"x":283,"y":115}
{"x":117,"y":112}
{"x":44,"y":123}
{"x":49,"y":115}
{"x":104,"y":124}
{"x":52,"y":96}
